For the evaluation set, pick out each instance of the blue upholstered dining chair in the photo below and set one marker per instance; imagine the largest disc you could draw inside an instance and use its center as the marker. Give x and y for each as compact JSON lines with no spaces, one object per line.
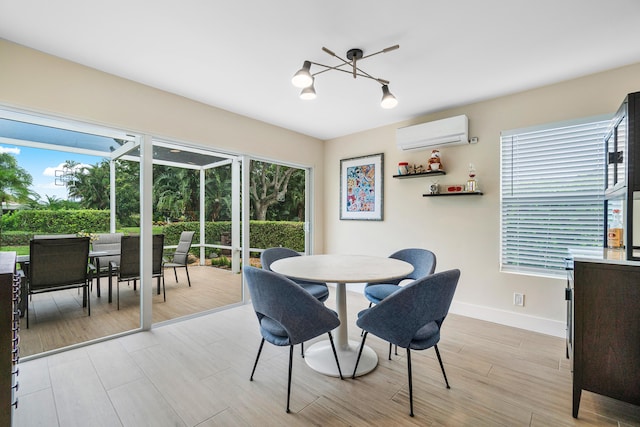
{"x":412,"y":317}
{"x":270,"y":255}
{"x":424,"y":264}
{"x":287,"y":314}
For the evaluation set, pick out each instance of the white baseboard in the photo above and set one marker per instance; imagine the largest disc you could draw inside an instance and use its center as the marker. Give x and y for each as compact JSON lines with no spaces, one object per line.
{"x":509,"y":318}
{"x":554,"y":328}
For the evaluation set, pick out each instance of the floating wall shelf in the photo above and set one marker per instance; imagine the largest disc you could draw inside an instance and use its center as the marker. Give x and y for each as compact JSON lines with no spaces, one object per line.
{"x":420,"y":175}
{"x":459,"y":193}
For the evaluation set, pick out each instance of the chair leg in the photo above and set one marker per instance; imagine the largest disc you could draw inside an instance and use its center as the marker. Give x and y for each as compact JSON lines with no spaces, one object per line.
{"x":362,"y":330}
{"x":355,"y":368}
{"x":289,"y":381}
{"x":302,"y":349}
{"x":390,"y":345}
{"x":175,"y":273}
{"x":257,"y":357}
{"x":188,"y":278}
{"x":410,"y":382}
{"x":335,"y":354}
{"x":118,"y":293}
{"x":441,"y":365}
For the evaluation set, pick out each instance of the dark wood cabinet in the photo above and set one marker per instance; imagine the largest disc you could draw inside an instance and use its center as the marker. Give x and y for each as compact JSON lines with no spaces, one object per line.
{"x":605,"y":346}
{"x":622,"y":163}
{"x":9,"y":324}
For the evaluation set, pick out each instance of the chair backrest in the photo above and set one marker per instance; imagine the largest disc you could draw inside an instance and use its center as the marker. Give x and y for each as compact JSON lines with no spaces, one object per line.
{"x":158,"y":249}
{"x":282,"y":300}
{"x":398,"y":317}
{"x":130,"y":256}
{"x":58,"y":263}
{"x":184,"y":245}
{"x":270,"y":255}
{"x":107,"y":242}
{"x":129,"y":267}
{"x":422,"y":260}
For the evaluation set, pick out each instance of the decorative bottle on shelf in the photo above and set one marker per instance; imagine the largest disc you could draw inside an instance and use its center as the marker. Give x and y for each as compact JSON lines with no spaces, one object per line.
{"x":472,"y":185}
{"x":614,"y":233}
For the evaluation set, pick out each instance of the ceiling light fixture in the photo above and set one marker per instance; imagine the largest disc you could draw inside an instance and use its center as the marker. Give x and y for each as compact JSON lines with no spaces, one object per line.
{"x":305,"y":80}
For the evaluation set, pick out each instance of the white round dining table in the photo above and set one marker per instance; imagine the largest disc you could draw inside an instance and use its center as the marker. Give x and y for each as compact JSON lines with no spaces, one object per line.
{"x":341,"y":270}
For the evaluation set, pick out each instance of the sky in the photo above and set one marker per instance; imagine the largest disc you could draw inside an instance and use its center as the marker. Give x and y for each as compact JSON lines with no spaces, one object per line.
{"x":43,"y":165}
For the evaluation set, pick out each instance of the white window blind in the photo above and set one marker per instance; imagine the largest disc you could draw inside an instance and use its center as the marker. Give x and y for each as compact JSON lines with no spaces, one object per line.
{"x":552,"y":194}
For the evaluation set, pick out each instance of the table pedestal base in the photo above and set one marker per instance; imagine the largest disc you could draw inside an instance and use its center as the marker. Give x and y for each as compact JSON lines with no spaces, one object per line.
{"x":319,"y":357}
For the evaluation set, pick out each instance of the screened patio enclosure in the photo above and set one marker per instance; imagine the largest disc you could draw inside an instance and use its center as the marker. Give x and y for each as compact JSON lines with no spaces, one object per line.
{"x":49,"y":134}
{"x":212,"y":288}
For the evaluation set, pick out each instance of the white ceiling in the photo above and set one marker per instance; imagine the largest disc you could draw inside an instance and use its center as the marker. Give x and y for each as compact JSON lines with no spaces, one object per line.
{"x":240,"y":55}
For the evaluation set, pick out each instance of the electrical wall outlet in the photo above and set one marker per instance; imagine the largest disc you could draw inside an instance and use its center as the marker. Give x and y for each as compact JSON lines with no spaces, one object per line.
{"x":518,"y":299}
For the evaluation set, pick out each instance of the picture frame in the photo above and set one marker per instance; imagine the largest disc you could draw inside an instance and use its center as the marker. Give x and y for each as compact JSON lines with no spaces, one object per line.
{"x":362,"y":188}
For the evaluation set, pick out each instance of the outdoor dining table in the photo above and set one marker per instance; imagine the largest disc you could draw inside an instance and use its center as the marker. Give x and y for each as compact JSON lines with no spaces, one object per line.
{"x":341,"y":270}
{"x":94,"y":256}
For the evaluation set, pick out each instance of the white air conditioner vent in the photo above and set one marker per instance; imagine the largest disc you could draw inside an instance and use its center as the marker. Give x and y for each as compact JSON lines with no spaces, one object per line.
{"x":439,"y":133}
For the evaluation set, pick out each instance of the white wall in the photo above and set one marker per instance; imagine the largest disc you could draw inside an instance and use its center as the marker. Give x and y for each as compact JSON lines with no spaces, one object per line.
{"x":464,"y":231}
{"x":38,"y":82}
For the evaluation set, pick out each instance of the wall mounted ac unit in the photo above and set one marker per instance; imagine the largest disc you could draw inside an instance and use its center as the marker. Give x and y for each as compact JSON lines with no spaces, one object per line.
{"x":439,"y":133}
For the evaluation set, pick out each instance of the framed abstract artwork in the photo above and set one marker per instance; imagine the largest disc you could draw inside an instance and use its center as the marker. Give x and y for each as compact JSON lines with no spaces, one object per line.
{"x":361,"y":188}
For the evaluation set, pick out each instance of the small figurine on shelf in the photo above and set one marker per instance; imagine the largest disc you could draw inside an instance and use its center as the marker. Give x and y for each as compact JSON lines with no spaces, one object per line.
{"x":434,"y":163}
{"x":472,"y":185}
{"x":418,"y":168}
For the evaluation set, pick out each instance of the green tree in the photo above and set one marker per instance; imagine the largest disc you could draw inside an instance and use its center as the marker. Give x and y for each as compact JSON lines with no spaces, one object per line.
{"x":56,"y":204}
{"x":218,"y":193}
{"x":15,"y":182}
{"x":176,"y":192}
{"x":90,"y":186}
{"x":268,"y":186}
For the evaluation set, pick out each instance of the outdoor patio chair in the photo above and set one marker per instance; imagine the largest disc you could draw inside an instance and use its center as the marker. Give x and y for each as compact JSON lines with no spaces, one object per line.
{"x":56,"y":264}
{"x":129,"y":266}
{"x":181,"y":255}
{"x":105,"y":242}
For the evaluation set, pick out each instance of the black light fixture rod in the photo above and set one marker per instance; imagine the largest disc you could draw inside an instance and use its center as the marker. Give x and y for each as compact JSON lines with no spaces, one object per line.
{"x":355,"y":57}
{"x":389,"y":49}
{"x":337,"y":68}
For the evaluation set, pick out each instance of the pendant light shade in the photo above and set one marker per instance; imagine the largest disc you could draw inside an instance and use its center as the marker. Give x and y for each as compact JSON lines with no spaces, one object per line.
{"x":303,"y":77}
{"x":388,"y":100}
{"x":308,"y":92}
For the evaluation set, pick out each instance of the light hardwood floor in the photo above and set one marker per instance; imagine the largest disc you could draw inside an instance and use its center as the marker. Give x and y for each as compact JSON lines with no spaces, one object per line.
{"x":196,"y":373}
{"x":57,"y":319}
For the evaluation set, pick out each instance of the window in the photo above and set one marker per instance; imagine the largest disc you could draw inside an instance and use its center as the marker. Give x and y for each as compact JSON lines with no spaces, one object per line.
{"x":552,"y":193}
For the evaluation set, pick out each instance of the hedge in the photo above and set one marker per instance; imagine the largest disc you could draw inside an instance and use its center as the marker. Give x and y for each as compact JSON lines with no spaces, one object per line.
{"x":264,"y":234}
{"x":20,"y":226}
